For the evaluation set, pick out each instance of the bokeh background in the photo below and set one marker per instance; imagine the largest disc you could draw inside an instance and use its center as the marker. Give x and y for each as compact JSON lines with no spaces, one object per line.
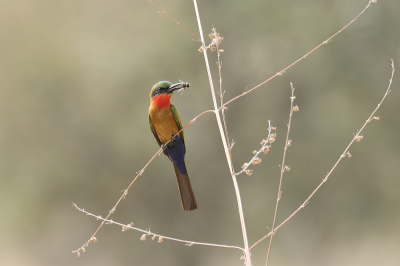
{"x":74,"y":83}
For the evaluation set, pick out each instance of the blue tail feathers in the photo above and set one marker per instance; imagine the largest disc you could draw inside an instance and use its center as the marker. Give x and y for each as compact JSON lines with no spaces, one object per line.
{"x":176,"y":151}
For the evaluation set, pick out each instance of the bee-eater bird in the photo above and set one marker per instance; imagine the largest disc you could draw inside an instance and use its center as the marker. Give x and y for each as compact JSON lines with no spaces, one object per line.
{"x":165,"y":122}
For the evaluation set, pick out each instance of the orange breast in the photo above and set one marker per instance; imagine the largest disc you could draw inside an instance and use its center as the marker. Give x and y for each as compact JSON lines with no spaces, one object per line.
{"x":164,"y":123}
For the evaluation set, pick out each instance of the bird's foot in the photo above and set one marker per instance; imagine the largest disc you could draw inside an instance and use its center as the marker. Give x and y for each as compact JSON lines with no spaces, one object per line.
{"x":170,"y":144}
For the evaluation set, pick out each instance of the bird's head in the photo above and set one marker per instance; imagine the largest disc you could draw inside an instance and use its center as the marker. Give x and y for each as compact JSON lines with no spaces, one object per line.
{"x":166,"y":87}
{"x":161,"y":92}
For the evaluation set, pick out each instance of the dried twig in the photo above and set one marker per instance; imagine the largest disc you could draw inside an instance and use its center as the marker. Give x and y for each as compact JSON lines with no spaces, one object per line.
{"x":224,"y":138}
{"x":164,"y":12}
{"x":224,"y":142}
{"x":130,"y":185}
{"x":303,"y":57}
{"x":283,"y":167}
{"x":357,"y":137}
{"x":126,"y":227}
{"x":265,"y":148}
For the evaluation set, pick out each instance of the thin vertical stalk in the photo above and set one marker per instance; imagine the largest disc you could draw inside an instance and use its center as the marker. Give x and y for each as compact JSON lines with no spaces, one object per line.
{"x":224,"y":142}
{"x":282,"y":171}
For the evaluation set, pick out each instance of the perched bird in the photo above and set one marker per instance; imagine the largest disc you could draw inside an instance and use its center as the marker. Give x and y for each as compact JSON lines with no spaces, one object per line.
{"x":165,"y":122}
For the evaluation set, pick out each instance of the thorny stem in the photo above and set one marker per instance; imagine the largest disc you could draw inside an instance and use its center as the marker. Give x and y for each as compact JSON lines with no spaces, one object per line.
{"x":148,"y":232}
{"x":282,"y":171}
{"x":356,"y":136}
{"x":221,"y":130}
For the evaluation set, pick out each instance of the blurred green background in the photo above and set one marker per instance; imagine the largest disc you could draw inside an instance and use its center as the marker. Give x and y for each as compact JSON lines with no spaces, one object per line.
{"x":75,"y":78}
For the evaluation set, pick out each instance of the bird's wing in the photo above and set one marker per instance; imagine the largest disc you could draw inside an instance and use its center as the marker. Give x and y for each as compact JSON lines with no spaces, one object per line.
{"x":154,"y":132}
{"x":178,"y":122}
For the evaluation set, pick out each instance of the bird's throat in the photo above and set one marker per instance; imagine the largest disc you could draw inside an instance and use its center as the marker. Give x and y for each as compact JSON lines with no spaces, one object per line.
{"x":162,"y":101}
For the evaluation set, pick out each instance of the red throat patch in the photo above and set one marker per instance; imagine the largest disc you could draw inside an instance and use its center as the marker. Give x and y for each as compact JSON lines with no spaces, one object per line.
{"x":162,"y":101}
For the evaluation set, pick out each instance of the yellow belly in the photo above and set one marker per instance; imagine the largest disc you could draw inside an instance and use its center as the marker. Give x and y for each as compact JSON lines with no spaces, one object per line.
{"x":164,"y":123}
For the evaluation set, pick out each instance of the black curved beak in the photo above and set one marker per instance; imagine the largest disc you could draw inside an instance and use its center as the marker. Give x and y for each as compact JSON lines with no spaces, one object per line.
{"x":177,"y":86}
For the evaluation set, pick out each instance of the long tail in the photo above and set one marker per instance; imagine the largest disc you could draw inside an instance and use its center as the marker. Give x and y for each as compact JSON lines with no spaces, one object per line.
{"x":188,"y":200}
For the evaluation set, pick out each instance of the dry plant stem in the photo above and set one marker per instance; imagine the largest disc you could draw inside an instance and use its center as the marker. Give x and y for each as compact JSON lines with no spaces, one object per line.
{"x":227,"y":150}
{"x":221,"y":94}
{"x":115,"y":206}
{"x":163,"y":11}
{"x":303,"y":57}
{"x":356,"y":136}
{"x":239,"y":200}
{"x":133,"y":181}
{"x":262,"y":149}
{"x":148,"y":232}
{"x":282,"y":171}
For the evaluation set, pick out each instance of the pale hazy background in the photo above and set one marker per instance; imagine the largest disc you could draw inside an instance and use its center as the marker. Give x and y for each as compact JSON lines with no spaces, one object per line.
{"x":74,"y":83}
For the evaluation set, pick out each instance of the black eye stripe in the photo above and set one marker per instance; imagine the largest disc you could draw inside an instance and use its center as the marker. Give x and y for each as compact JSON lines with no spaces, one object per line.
{"x":157,"y":91}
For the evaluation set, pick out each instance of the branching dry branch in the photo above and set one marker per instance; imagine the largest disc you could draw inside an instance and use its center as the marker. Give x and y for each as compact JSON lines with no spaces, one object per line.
{"x":357,"y":137}
{"x":91,"y":239}
{"x":224,"y":142}
{"x":227,"y":147}
{"x":216,"y":40}
{"x":265,"y":148}
{"x":146,"y":232}
{"x":303,"y":57}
